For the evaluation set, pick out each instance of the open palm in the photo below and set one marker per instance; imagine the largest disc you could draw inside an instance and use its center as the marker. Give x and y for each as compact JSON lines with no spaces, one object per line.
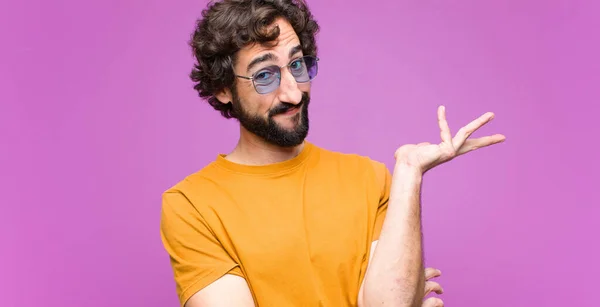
{"x":425,"y":156}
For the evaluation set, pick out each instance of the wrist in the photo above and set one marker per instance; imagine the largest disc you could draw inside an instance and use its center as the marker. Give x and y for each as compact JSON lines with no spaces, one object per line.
{"x":407,"y":169}
{"x":406,"y":178}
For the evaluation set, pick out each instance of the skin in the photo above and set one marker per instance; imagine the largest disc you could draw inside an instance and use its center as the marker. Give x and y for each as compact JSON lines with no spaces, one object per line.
{"x":251,"y":149}
{"x":395,"y":274}
{"x":393,"y":277}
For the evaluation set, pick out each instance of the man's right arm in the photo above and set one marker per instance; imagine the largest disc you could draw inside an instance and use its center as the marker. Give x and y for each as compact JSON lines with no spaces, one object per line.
{"x":205,"y":273}
{"x":229,"y":290}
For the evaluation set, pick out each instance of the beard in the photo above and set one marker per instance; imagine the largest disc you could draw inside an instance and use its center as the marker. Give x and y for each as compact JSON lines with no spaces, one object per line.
{"x":268,"y":129}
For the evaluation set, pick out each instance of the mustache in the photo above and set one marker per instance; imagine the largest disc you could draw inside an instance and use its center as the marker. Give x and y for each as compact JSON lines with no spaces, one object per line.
{"x":286,"y":106}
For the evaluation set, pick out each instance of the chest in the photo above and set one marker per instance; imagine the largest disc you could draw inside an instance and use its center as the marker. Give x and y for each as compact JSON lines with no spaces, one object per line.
{"x":304,"y":223}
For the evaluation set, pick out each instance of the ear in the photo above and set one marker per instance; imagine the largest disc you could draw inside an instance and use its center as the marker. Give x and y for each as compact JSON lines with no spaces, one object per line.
{"x":224,"y":96}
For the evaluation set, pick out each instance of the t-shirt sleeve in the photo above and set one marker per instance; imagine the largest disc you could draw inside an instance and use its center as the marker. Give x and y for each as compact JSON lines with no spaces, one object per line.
{"x":384,"y":181}
{"x":197,"y":258}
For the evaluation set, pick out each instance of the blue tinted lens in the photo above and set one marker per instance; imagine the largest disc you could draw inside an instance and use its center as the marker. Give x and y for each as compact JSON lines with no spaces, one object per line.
{"x":312,"y":67}
{"x":266,"y":80}
{"x":298,"y":70}
{"x":304,"y":69}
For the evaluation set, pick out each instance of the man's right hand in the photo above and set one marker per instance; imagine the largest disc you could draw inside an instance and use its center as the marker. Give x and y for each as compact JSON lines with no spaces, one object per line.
{"x":432,"y":286}
{"x":433,"y":302}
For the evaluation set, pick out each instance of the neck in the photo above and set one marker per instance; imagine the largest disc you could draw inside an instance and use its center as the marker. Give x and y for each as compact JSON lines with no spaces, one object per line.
{"x":252,"y":150}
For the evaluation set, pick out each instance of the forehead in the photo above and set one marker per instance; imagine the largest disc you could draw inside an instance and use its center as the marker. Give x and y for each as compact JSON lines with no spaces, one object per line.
{"x":286,"y":40}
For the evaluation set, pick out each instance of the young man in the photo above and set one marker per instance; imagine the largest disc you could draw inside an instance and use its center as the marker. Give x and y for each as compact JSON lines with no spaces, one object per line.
{"x":280,"y":221}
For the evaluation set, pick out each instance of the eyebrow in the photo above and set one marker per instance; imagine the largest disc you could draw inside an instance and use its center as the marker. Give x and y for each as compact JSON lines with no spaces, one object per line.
{"x":271,"y":57}
{"x":260,"y":59}
{"x":295,"y":50}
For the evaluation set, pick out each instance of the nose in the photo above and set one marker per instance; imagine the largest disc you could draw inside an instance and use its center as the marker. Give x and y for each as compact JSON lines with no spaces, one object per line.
{"x":288,"y":88}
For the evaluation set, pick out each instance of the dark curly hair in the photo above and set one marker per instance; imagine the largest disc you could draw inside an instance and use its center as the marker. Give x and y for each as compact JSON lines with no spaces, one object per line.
{"x":229,"y":25}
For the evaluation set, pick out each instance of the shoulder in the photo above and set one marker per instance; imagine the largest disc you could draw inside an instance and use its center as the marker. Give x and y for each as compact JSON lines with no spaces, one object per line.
{"x":193,"y":188}
{"x":354,"y":161}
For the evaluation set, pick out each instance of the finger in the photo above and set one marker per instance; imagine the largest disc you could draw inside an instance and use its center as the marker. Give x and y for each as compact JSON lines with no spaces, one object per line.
{"x":431,"y":273}
{"x":432,"y":286}
{"x":444,"y":128}
{"x":433,"y":302}
{"x":465,"y":132}
{"x":473,"y":144}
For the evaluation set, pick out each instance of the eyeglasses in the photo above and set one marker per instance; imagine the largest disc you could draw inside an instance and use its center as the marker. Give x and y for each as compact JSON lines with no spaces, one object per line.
{"x":266,"y":80}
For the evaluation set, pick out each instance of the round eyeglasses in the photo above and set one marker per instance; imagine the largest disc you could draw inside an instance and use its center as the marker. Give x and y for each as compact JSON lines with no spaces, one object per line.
{"x":266,"y":80}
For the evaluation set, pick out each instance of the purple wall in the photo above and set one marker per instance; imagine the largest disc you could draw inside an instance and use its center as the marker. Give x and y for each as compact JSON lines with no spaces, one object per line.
{"x":97,"y":118}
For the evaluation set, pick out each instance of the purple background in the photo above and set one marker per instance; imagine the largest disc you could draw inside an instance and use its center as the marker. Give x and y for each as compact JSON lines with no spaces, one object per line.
{"x":98,"y":118}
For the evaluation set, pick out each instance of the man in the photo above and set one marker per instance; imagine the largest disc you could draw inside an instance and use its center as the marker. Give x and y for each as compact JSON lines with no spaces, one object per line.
{"x":280,"y":221}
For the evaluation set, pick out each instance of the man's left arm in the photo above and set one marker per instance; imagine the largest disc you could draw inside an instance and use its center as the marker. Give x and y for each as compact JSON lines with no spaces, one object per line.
{"x":392,"y":276}
{"x":430,"y":285}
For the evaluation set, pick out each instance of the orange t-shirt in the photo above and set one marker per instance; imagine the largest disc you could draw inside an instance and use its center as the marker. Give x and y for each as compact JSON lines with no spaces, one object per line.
{"x":298,"y":231}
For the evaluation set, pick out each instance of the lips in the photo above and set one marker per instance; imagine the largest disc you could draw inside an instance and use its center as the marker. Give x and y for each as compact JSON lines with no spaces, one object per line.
{"x":292,"y":110}
{"x":288,"y":110}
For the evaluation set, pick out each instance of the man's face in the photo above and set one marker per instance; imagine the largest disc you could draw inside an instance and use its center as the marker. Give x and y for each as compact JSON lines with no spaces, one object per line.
{"x":281,"y":116}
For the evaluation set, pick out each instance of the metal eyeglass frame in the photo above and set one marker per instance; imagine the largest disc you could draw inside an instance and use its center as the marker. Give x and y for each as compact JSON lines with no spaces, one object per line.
{"x":316,"y":59}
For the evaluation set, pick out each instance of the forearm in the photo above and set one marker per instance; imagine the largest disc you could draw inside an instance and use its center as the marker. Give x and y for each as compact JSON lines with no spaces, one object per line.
{"x":395,"y":276}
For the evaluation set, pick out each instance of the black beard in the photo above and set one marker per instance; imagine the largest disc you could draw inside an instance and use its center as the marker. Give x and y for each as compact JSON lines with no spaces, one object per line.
{"x":268,"y":129}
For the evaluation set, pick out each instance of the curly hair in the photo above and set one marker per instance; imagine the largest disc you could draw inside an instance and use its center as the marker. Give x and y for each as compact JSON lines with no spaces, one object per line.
{"x":229,"y":25}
